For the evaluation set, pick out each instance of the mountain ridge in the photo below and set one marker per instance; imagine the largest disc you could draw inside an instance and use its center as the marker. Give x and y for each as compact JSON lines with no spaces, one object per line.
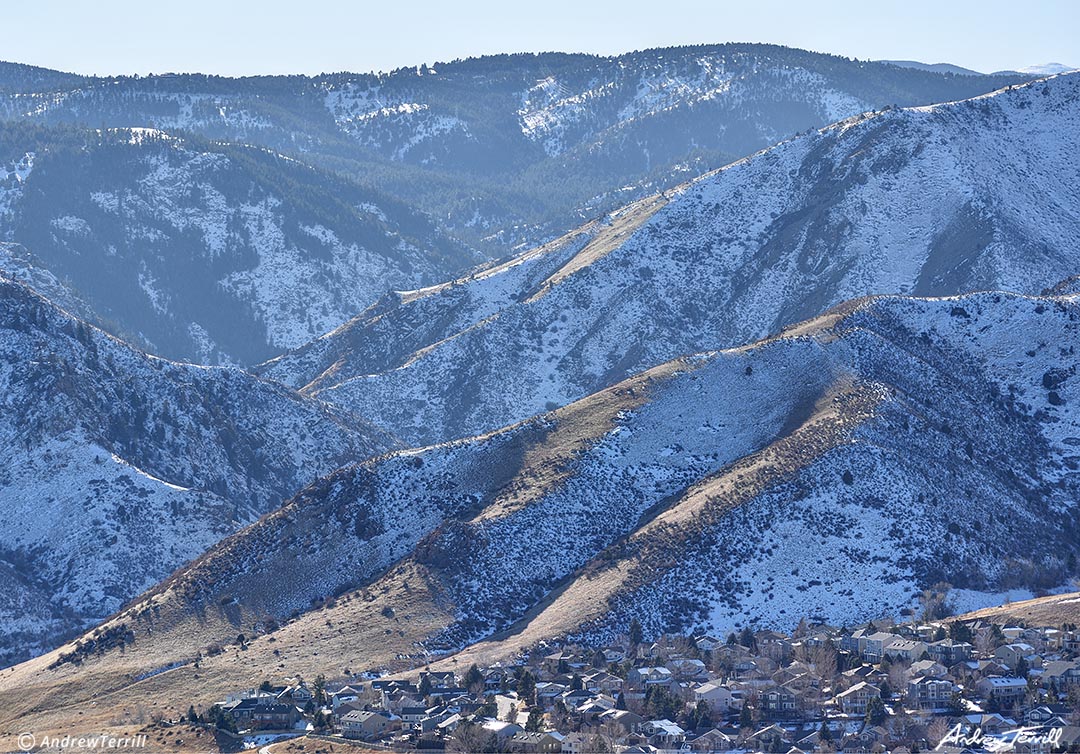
{"x":157,"y":460}
{"x":903,"y":201}
{"x":897,"y":441}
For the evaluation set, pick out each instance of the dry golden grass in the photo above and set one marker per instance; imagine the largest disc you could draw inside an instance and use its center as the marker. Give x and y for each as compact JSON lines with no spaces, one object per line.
{"x":353,"y":633}
{"x":102,"y":696}
{"x":586,"y":596}
{"x":578,"y":426}
{"x":1041,"y":611}
{"x":608,"y":237}
{"x":314,"y":745}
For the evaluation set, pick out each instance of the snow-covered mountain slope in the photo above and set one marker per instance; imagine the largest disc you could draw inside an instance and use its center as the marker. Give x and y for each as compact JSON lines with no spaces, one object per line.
{"x":833,"y":471}
{"x":212,"y":253}
{"x":119,"y":467}
{"x":1047,"y":69}
{"x":512,"y":148}
{"x":979,"y":194}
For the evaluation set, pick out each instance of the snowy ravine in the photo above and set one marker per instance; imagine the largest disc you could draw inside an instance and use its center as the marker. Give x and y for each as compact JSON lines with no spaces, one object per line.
{"x":831,"y":472}
{"x":210,"y":252}
{"x":120,"y":467}
{"x":979,"y":194}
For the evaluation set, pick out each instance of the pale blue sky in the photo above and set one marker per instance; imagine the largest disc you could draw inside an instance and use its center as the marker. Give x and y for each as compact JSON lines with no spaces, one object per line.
{"x":280,"y":36}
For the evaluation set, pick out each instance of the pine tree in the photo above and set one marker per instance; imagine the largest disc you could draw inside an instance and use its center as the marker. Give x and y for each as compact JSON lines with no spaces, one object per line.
{"x":536,"y":720}
{"x":473,"y":677}
{"x":526,"y":688}
{"x":746,"y":718}
{"x":875,"y":712}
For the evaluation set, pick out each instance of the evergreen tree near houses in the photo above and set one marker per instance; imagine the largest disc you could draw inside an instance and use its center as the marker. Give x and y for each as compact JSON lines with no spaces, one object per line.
{"x":875,"y":712}
{"x":535,"y":723}
{"x":526,"y":687}
{"x":473,"y":677}
{"x":635,"y":632}
{"x":700,"y":717}
{"x":747,"y":639}
{"x":746,"y":717}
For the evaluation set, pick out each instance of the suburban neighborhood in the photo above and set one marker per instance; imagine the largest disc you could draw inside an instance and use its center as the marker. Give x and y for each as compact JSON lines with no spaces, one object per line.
{"x":900,"y":687}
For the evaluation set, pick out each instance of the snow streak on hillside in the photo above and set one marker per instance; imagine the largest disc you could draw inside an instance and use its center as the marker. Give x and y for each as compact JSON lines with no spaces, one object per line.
{"x":939,"y":200}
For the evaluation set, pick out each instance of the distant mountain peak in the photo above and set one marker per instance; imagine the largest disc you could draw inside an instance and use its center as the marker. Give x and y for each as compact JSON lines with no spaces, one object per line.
{"x":1048,"y":69}
{"x":934,"y":67}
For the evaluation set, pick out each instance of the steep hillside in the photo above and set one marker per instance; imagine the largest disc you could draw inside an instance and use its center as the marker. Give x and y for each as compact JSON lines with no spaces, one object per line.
{"x":1055,"y":610}
{"x":206,"y":252}
{"x":119,"y":467}
{"x":932,"y":201}
{"x":833,"y":471}
{"x":512,"y":149}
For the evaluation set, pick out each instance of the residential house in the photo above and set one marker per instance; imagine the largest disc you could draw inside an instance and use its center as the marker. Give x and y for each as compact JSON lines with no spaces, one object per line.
{"x":1061,"y":675}
{"x":949,"y":652}
{"x":991,"y":724}
{"x":928,"y":693}
{"x":855,"y":699}
{"x":687,"y":669}
{"x":627,"y":721}
{"x":908,"y":650}
{"x":779,"y":703}
{"x":768,"y":739}
{"x":502,"y":730}
{"x":343,"y":695}
{"x":928,"y":669}
{"x":1006,"y":691}
{"x":298,"y":692}
{"x":719,"y":697}
{"x":364,"y":724}
{"x":872,"y":646}
{"x":540,"y":742}
{"x":870,"y":738}
{"x":648,"y":676}
{"x":275,"y":716}
{"x":711,"y":741}
{"x":707,"y":643}
{"x":603,"y":682}
{"x":987,"y":668}
{"x":577,"y":743}
{"x":410,"y":715}
{"x":1011,"y":654}
{"x":663,"y":734}
{"x":547,"y":693}
{"x":1049,"y":716}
